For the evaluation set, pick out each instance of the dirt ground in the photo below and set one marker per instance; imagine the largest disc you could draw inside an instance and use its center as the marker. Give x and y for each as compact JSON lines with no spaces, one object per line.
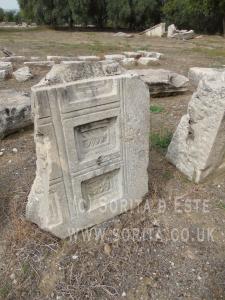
{"x":171,"y":247}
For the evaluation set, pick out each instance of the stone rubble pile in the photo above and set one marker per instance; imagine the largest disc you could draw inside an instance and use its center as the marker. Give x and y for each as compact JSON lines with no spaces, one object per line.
{"x":173,"y":32}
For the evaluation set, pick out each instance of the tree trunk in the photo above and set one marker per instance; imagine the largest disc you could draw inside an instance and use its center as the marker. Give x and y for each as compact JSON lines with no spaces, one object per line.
{"x":224,"y":26}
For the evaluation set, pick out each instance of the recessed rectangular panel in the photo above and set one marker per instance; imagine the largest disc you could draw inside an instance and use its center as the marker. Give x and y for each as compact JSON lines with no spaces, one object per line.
{"x":102,"y":189}
{"x":96,"y":138}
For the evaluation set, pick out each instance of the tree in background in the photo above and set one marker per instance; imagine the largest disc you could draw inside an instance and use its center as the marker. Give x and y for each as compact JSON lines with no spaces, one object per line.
{"x":135,"y":14}
{"x":200,"y":15}
{"x":2,"y":15}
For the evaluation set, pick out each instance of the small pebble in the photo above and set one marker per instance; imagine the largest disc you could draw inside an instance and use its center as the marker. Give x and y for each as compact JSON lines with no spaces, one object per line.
{"x":124,"y":294}
{"x":74,"y":257}
{"x":15,"y":150}
{"x":12,"y":276}
{"x":1,"y":153}
{"x":10,"y":161}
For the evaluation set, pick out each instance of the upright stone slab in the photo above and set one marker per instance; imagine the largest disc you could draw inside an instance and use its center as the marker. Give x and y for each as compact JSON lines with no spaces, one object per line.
{"x":92,"y":145}
{"x":198,"y":145}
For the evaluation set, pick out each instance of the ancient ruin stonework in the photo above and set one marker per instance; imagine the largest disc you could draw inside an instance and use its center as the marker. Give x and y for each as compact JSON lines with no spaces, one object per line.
{"x":92,"y":145}
{"x":198,"y":145}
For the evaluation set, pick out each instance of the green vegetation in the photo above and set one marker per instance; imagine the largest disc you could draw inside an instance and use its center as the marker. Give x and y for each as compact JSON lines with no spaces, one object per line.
{"x":10,"y":16}
{"x":201,"y":15}
{"x":156,"y":109}
{"x":161,"y":140}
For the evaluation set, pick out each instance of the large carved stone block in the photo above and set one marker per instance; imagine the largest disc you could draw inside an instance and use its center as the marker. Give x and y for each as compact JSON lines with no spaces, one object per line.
{"x":92,"y":144}
{"x":198,"y":145}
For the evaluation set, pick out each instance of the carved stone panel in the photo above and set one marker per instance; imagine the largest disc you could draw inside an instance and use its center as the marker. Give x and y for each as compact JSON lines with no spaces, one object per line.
{"x":92,"y":142}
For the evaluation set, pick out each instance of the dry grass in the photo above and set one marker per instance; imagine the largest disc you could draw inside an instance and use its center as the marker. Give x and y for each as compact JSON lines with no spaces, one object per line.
{"x":37,"y":266}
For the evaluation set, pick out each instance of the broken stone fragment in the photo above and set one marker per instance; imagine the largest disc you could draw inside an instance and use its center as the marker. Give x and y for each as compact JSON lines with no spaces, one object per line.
{"x":60,"y":58}
{"x":91,"y":134}
{"x":73,"y":71}
{"x":89,"y":58}
{"x":3,"y":75}
{"x":198,"y":145}
{"x":129,"y":62}
{"x":135,"y":55}
{"x":156,"y":55}
{"x":23,"y":74}
{"x":13,"y":59}
{"x":158,"y":30}
{"x":15,"y":112}
{"x":148,"y":61}
{"x":162,"y":82}
{"x":116,"y":57}
{"x":7,"y":67}
{"x":39,"y":63}
{"x":173,"y":32}
{"x":195,"y":75}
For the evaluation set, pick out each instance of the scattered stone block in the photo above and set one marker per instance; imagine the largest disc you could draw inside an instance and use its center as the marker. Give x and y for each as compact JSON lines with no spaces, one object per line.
{"x":129,"y":62}
{"x":74,"y":71}
{"x":198,"y":145}
{"x":43,"y":63}
{"x":15,"y":112}
{"x":3,"y":75}
{"x":116,"y":57}
{"x":195,"y":75}
{"x":35,"y":58}
{"x":163,"y":83}
{"x":13,"y":58}
{"x":7,"y":67}
{"x":173,"y":32}
{"x":23,"y":74}
{"x":156,"y":31}
{"x":148,"y":61}
{"x":135,"y":55}
{"x":61,"y":58}
{"x":123,"y":34}
{"x":150,"y":54}
{"x":92,"y":145}
{"x":89,"y":58}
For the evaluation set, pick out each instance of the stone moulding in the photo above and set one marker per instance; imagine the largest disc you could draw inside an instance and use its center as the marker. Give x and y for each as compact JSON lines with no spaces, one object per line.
{"x":92,"y":145}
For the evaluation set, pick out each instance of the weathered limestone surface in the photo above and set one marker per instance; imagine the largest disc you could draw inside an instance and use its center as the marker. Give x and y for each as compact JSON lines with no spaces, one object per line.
{"x":13,"y":58}
{"x":173,"y":32}
{"x":150,"y":54}
{"x":89,"y":58}
{"x":116,"y":57}
{"x":156,"y":31}
{"x":148,"y":61}
{"x":60,"y":58}
{"x":3,"y":75}
{"x":92,"y":145}
{"x":198,"y":145}
{"x":23,"y":74}
{"x":162,"y":82}
{"x":74,"y":71}
{"x":7,"y":67}
{"x":42,"y":63}
{"x":195,"y":75}
{"x":15,"y":112}
{"x":123,"y":34}
{"x":130,"y":54}
{"x":129,"y":62}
